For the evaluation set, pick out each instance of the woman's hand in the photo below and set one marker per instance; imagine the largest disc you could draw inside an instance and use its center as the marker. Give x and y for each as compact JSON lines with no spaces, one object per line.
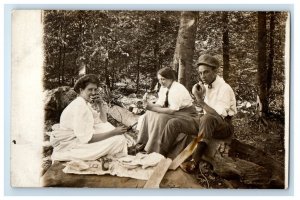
{"x":148,"y":105}
{"x":198,"y":91}
{"x":119,"y":130}
{"x":96,"y":99}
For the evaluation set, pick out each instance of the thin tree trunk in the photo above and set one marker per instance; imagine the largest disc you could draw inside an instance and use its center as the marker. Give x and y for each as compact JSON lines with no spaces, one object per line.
{"x":226,"y":64}
{"x":63,"y":66}
{"x":138,"y":72}
{"x":63,"y":34}
{"x":185,"y":45}
{"x":59,"y":65}
{"x":261,"y":58}
{"x":112,"y":77}
{"x":271,"y":54}
{"x":156,"y":67}
{"x":82,"y":65}
{"x":107,"y":81}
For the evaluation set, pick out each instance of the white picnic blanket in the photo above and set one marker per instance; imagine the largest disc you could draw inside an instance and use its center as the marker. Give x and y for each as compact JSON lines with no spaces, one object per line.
{"x":140,"y":166}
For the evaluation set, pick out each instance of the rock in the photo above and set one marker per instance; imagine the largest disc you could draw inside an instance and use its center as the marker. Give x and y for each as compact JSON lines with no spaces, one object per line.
{"x":56,"y":100}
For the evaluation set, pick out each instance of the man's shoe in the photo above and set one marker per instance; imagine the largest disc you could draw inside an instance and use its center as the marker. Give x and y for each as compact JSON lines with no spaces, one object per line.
{"x":190,"y":167}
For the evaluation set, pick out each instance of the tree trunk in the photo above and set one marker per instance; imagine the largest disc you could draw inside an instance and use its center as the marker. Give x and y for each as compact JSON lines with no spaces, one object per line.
{"x":112,"y":82}
{"x":157,"y":28}
{"x":226,"y":65}
{"x":261,"y":59}
{"x":185,"y":45}
{"x":138,"y":72}
{"x":107,"y":81}
{"x":59,"y":66}
{"x":271,"y":54}
{"x":63,"y":65}
{"x":232,"y":159}
{"x":59,"y":56}
{"x":63,"y":36}
{"x":82,"y":65}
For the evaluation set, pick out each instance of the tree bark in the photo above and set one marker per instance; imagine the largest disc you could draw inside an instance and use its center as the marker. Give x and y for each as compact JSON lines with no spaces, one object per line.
{"x":59,"y":56}
{"x":261,"y":59}
{"x":157,"y":28}
{"x":138,"y":72}
{"x":185,"y":45}
{"x":226,"y":64}
{"x":107,"y":81}
{"x":271,"y":54}
{"x":232,"y":159}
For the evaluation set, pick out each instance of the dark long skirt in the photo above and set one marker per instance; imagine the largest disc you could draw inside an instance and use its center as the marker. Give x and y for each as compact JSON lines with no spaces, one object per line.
{"x":154,"y":123}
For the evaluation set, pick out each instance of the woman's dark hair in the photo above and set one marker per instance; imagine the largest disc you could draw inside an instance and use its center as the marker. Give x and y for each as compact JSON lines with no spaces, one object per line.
{"x":168,"y":73}
{"x":83,"y":81}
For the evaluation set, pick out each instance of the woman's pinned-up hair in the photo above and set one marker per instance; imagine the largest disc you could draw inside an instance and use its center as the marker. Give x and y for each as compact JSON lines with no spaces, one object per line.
{"x":83,"y":81}
{"x":168,"y":73}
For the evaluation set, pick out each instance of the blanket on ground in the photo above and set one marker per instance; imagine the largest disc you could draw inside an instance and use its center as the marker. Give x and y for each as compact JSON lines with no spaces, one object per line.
{"x":139,"y":167}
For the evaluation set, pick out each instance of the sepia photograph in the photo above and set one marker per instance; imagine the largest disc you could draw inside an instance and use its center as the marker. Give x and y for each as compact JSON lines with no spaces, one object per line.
{"x":150,"y":99}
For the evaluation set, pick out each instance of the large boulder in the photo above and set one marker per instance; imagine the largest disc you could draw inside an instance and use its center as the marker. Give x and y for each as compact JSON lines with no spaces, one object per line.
{"x":56,"y":100}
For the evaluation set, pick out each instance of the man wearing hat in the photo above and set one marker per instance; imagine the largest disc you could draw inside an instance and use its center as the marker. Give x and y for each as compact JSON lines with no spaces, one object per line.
{"x":218,"y":101}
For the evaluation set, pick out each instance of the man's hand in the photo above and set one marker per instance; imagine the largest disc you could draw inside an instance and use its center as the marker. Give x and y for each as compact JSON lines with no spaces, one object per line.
{"x":198,"y":91}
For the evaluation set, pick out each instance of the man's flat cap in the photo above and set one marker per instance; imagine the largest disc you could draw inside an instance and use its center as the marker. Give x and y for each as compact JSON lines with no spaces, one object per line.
{"x":208,"y":60}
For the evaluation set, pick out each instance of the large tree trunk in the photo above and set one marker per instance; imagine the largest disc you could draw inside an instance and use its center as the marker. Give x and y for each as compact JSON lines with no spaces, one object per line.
{"x":226,"y":65}
{"x":261,"y":59}
{"x":185,"y":45}
{"x":232,"y":159}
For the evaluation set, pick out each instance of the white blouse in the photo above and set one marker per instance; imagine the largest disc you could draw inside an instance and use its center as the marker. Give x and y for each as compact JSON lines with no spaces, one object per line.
{"x":78,"y":122}
{"x":178,"y":97}
{"x":221,"y":98}
{"x":81,"y":118}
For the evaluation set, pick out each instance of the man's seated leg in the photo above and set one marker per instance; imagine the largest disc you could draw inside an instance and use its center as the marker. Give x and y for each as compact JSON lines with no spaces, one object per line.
{"x":212,"y":127}
{"x":172,"y":130}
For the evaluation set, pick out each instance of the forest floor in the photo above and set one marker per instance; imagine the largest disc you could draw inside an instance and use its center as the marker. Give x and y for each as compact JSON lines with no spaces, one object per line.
{"x":268,"y":138}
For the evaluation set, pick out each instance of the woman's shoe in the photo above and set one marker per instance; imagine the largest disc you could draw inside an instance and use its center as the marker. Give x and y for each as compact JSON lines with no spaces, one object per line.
{"x":133,"y":150}
{"x":139,"y":147}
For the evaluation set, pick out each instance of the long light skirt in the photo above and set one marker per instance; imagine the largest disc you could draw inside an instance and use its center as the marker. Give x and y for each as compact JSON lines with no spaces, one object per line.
{"x":116,"y":145}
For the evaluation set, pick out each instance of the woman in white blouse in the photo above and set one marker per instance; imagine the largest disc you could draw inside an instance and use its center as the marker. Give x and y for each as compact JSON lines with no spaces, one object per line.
{"x":83,"y":133}
{"x":174,"y":101}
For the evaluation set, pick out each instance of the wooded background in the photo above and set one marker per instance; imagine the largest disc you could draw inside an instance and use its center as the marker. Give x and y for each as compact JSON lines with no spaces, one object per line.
{"x":126,"y":49}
